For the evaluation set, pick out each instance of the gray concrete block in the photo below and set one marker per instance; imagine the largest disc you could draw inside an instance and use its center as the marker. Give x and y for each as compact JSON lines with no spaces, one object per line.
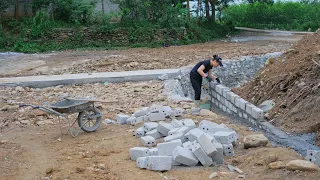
{"x":195,"y":111}
{"x":137,"y":152}
{"x":173,"y":131}
{"x":223,"y":100}
{"x":155,"y":108}
{"x":213,"y":101}
{"x":313,"y":156}
{"x":240,"y":114}
{"x":224,"y":108}
{"x":225,"y":91}
{"x":217,"y":103}
{"x":184,"y":130}
{"x":137,"y":120}
{"x":194,"y":134}
{"x":217,"y":157}
{"x":228,"y":149}
{"x":156,"y":116}
{"x":229,"y":111}
{"x":131,"y":120}
{"x":148,"y":141}
{"x":140,"y":132}
{"x":201,"y":155}
{"x":164,"y":128}
{"x":166,"y":148}
{"x":188,"y":145}
{"x":145,"y":118}
{"x":184,"y":156}
{"x":257,"y":113}
{"x":245,"y":116}
{"x":219,"y":88}
{"x":153,"y":152}
{"x":122,"y":118}
{"x":225,"y":137}
{"x":141,"y":162}
{"x":177,"y":112}
{"x":149,"y":126}
{"x":241,"y":103}
{"x":141,"y":112}
{"x":176,"y":123}
{"x":159,"y":163}
{"x":174,"y":137}
{"x":233,"y":97}
{"x":206,"y":144}
{"x":219,"y":97}
{"x":189,"y":123}
{"x":213,"y":94}
{"x":220,"y":106}
{"x":212,"y":127}
{"x":213,"y":84}
{"x":166,"y":110}
{"x":249,"y":108}
{"x":154,"y":133}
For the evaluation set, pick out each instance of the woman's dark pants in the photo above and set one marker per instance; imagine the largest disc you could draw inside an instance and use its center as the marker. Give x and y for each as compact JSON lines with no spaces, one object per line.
{"x":196,"y":81}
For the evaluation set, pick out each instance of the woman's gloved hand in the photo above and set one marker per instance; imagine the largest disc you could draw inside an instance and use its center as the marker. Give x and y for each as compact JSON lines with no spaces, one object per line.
{"x":218,"y":80}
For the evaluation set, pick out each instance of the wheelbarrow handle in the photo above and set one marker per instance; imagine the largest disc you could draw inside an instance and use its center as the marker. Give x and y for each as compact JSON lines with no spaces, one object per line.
{"x":42,"y":108}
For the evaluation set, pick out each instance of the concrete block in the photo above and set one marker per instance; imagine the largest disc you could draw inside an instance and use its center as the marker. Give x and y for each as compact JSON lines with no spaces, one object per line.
{"x":131,"y":120}
{"x":240,"y":114}
{"x":155,"y":108}
{"x":149,"y":126}
{"x":211,"y":127}
{"x":229,"y":94}
{"x":225,"y":91}
{"x":241,"y":103}
{"x":201,"y":155}
{"x":137,"y":152}
{"x":145,"y":118}
{"x":184,"y":130}
{"x":225,"y":137}
{"x":219,"y":97}
{"x":153,"y":152}
{"x":154,"y":133}
{"x":173,"y":131}
{"x":313,"y":156}
{"x":156,"y":116}
{"x":141,"y":112}
{"x":213,"y":84}
{"x":177,"y":112}
{"x":189,"y":123}
{"x":217,"y":103}
{"x":213,"y":101}
{"x":217,"y":158}
{"x":122,"y":118}
{"x":159,"y":163}
{"x":213,"y":94}
{"x":137,"y":120}
{"x":176,"y":123}
{"x":257,"y":113}
{"x":164,"y":128}
{"x":166,"y":110}
{"x":206,"y":144}
{"x":174,"y":163}
{"x":233,"y":97}
{"x":194,"y":134}
{"x":140,"y":132}
{"x":228,"y":149}
{"x":229,"y":111}
{"x":166,"y":148}
{"x":249,"y":108}
{"x":148,"y":141}
{"x":223,"y":100}
{"x":141,"y":162}
{"x":245,"y":116}
{"x":188,"y":145}
{"x":219,"y":88}
{"x":174,"y":137}
{"x":224,"y":108}
{"x":220,"y":106}
{"x":195,"y":111}
{"x":184,"y":156}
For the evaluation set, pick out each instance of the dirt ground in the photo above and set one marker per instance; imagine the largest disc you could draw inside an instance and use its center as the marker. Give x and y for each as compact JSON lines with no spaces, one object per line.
{"x":32,"y":146}
{"x":30,"y":150}
{"x":67,"y":62}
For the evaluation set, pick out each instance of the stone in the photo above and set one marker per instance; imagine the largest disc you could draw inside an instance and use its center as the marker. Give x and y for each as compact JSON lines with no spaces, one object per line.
{"x":301,"y":165}
{"x":201,"y":155}
{"x":164,"y":128}
{"x":122,"y":118}
{"x":154,"y":133}
{"x":213,"y":175}
{"x":137,"y":152}
{"x":267,"y":105}
{"x":276,"y":165}
{"x":166,"y":148}
{"x":140,"y":132}
{"x":148,"y":141}
{"x":184,"y":156}
{"x":255,"y":140}
{"x":149,"y":126}
{"x":44,"y":122}
{"x":141,"y":162}
{"x":159,"y":163}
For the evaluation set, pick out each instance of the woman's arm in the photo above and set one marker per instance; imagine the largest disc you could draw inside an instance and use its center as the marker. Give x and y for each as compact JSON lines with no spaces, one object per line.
{"x":211,"y":75}
{"x":200,"y":71}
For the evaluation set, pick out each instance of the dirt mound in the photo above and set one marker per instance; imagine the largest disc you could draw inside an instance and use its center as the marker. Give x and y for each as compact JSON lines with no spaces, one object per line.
{"x":293,"y":82}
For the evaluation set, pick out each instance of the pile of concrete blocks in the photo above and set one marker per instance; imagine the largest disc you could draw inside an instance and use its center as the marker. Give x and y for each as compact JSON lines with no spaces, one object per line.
{"x":231,"y":103}
{"x":182,"y":144}
{"x":153,"y":113}
{"x":313,"y":156}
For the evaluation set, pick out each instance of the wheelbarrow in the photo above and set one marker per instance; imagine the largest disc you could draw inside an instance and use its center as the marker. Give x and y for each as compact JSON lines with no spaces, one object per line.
{"x":89,"y":117}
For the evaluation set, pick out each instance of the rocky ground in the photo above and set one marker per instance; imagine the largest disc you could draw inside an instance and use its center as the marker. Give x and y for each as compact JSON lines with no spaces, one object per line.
{"x":34,"y":145}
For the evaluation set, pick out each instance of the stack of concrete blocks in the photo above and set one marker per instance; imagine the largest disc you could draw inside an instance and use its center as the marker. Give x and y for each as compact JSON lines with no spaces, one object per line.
{"x":313,"y":156}
{"x":229,"y":102}
{"x":185,"y":144}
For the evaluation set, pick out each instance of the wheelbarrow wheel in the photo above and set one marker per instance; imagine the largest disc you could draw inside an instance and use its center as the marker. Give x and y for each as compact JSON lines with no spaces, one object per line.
{"x":89,"y":120}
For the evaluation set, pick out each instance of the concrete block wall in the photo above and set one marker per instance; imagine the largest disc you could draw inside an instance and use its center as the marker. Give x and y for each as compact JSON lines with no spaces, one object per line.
{"x":222,"y":98}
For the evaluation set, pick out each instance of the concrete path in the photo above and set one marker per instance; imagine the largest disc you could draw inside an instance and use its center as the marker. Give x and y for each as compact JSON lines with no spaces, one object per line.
{"x":272,"y":31}
{"x":70,"y":79}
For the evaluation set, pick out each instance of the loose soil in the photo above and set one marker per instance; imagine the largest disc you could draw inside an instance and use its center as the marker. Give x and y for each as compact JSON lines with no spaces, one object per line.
{"x":293,"y":82}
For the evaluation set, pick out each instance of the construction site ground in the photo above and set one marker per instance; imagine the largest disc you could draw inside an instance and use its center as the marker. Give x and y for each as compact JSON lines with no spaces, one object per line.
{"x":32,"y":146}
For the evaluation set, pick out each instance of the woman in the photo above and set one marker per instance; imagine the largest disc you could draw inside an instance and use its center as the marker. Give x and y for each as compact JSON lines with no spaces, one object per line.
{"x":199,"y":71}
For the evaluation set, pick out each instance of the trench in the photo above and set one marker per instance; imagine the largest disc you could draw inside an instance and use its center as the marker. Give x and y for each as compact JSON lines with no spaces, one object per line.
{"x":235,"y":73}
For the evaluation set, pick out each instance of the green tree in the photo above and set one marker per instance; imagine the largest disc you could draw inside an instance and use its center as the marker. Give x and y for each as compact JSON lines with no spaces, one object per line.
{"x":261,"y":1}
{"x":4,"y":4}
